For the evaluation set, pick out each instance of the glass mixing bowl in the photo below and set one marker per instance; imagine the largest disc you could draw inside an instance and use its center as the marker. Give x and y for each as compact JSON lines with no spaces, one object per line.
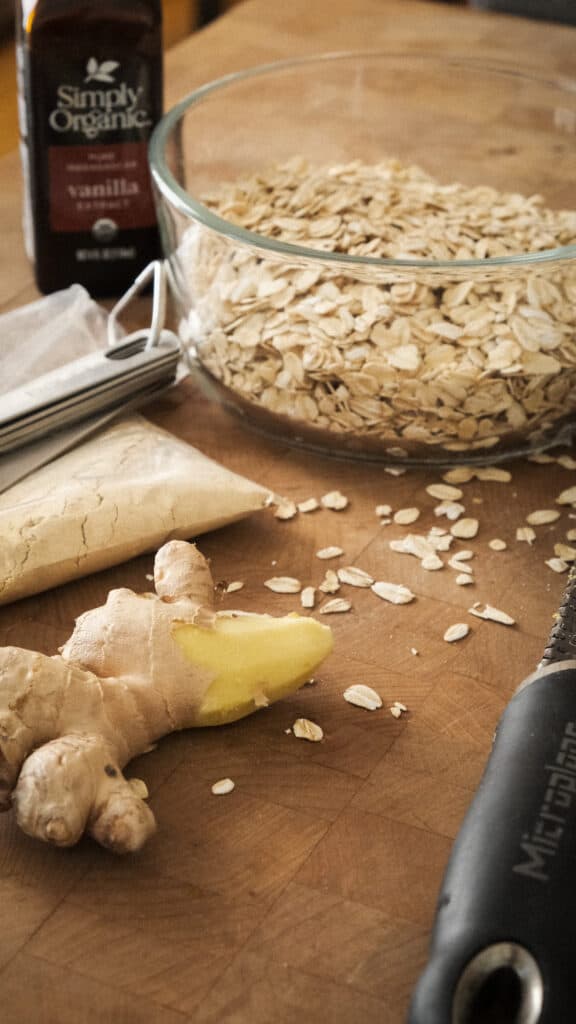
{"x":373,"y":254}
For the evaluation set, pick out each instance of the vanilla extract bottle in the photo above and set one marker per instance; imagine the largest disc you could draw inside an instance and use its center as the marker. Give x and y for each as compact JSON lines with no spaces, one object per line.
{"x":90,"y":93}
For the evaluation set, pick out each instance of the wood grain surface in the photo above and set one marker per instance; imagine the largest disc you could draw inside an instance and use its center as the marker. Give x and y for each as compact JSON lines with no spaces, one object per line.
{"x":307,"y":894}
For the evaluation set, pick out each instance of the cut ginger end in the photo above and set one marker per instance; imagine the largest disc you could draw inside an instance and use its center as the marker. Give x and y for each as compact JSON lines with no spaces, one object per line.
{"x":256,"y":660}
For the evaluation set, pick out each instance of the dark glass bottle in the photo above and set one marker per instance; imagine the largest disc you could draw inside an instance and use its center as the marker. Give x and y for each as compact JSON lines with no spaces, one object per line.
{"x":90,"y":93}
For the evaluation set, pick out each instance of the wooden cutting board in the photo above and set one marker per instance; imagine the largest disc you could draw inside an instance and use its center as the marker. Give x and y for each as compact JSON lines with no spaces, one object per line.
{"x":308,"y":893}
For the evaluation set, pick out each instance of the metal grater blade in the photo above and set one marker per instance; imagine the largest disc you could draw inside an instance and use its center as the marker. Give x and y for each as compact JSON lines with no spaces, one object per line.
{"x":561,"y":644}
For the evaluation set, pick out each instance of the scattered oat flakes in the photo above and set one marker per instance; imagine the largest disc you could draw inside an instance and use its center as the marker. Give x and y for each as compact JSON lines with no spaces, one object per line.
{"x":465,"y":528}
{"x":330,"y":584}
{"x":526,"y":533}
{"x":334,"y":500}
{"x":283,"y":585}
{"x":285,"y":510}
{"x":557,"y":564}
{"x":432,"y":562}
{"x":441,"y":542}
{"x":414,"y":651}
{"x":233,"y":587}
{"x":330,"y":552}
{"x":149,"y":576}
{"x":139,"y":787}
{"x":363,"y":697}
{"x":355,"y":577}
{"x":566,"y":461}
{"x":464,"y":579}
{"x":460,"y":566}
{"x":542,"y":516}
{"x":451,"y":509}
{"x":304,"y":729}
{"x":395,"y":593}
{"x":456,"y":632}
{"x":570,"y":534}
{"x":398,"y":709}
{"x":308,"y":597}
{"x":567,"y":497}
{"x":444,"y":492}
{"x":335,"y":606}
{"x":222,"y":787}
{"x":493,"y":473}
{"x":565,"y":551}
{"x":459,"y":475}
{"x":413,"y":544}
{"x":383,"y":510}
{"x":497,"y":544}
{"x":310,"y":505}
{"x":405,"y":516}
{"x":466,"y":555}
{"x":395,"y":470}
{"x":486,"y":611}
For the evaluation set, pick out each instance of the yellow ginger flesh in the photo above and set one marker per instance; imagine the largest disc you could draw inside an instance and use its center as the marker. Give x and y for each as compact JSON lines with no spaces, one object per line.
{"x":139,"y":667}
{"x":254,"y":659}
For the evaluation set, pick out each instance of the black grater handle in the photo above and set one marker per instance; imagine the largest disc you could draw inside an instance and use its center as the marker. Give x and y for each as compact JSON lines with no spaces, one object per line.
{"x":503,"y":946}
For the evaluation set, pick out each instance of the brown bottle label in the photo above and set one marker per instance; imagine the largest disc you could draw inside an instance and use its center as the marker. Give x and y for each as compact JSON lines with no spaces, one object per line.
{"x":100,"y":188}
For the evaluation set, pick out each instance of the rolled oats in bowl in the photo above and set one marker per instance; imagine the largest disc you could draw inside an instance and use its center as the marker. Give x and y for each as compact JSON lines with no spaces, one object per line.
{"x":374,"y":254}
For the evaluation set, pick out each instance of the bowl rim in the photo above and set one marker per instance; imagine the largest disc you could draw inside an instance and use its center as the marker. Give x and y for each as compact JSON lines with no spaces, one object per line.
{"x":187,"y":205}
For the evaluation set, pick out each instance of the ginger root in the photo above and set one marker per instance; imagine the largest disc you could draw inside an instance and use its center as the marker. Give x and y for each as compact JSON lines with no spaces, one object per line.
{"x":139,"y":667}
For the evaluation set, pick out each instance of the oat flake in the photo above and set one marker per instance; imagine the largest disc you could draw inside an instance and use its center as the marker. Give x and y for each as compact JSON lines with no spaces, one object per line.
{"x":304,"y":729}
{"x":567,"y":497}
{"x":308,"y":597}
{"x":222,"y":787}
{"x":334,"y":500}
{"x":465,"y":528}
{"x":565,"y":551}
{"x":459,"y":475}
{"x":283,"y":585}
{"x":363,"y":697}
{"x":486,"y":611}
{"x":329,"y":552}
{"x":285,"y":510}
{"x":234,"y":587}
{"x":557,"y":564}
{"x":330,"y":584}
{"x":395,"y":593}
{"x":406,"y":516}
{"x":444,"y":492}
{"x":337,"y":605}
{"x":456,"y":632}
{"x":494,"y":473}
{"x":432,"y":563}
{"x":464,"y":579}
{"x":542,"y":516}
{"x":355,"y":577}
{"x":310,"y":505}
